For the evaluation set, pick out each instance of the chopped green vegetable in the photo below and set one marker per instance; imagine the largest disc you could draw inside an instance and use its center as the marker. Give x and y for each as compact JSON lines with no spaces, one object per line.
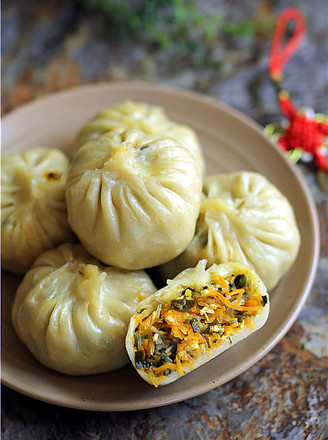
{"x":163,"y":359}
{"x":5,"y":222}
{"x":195,"y":325}
{"x":139,"y":358}
{"x":184,"y":305}
{"x":240,"y":281}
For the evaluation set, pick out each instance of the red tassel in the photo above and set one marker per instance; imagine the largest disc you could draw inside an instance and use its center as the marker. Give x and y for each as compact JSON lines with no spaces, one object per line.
{"x":302,"y":132}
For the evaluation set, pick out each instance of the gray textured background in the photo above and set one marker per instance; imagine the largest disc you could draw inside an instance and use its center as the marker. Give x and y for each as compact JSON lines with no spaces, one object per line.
{"x":53,"y":45}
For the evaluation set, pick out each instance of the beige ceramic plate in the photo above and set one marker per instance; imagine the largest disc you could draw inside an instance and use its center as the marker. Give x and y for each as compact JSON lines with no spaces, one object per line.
{"x":231,"y":142}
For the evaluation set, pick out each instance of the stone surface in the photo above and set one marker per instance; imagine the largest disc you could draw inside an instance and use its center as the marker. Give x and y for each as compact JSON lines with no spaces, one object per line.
{"x":53,"y":45}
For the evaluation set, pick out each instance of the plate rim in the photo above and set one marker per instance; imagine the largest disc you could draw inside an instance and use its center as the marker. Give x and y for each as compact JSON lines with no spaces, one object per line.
{"x":253,"y":125}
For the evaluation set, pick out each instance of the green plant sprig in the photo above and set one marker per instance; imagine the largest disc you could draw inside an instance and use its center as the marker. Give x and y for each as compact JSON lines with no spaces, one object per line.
{"x":176,"y":25}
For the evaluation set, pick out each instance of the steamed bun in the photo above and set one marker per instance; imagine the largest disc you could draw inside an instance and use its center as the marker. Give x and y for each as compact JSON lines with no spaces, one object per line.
{"x":194,"y":318}
{"x":33,"y":207}
{"x":148,"y":118}
{"x":245,"y":219}
{"x":133,"y":199}
{"x":72,"y":313}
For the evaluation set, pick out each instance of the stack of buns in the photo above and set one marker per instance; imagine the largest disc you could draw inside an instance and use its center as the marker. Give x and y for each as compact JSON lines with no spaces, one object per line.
{"x":85,"y":231}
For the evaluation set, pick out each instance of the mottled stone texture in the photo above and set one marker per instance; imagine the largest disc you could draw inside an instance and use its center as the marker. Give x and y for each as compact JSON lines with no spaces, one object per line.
{"x":50,"y":45}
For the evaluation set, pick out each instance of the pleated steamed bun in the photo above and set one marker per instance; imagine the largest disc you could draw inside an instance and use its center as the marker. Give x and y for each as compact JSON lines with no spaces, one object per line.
{"x":245,"y":219}
{"x":133,"y":199}
{"x":33,"y":206}
{"x":194,"y":318}
{"x":72,"y":313}
{"x":148,"y":118}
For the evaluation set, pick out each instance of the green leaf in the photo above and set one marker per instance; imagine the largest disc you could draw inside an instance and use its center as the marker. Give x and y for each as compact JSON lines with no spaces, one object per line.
{"x":5,"y":223}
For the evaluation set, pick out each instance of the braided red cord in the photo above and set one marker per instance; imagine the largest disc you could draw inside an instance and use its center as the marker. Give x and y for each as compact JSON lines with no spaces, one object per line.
{"x":302,"y":132}
{"x":279,"y":54}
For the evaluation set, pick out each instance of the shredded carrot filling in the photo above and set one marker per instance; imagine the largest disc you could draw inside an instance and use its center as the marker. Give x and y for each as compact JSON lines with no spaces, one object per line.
{"x":140,"y":296}
{"x":171,"y":337}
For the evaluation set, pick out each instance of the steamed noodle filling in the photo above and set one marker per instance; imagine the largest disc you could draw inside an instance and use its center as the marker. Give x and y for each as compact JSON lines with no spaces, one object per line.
{"x":176,"y":333}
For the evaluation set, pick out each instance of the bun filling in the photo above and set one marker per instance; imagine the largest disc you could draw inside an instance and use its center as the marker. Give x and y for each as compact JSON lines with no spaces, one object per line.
{"x":172,"y":337}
